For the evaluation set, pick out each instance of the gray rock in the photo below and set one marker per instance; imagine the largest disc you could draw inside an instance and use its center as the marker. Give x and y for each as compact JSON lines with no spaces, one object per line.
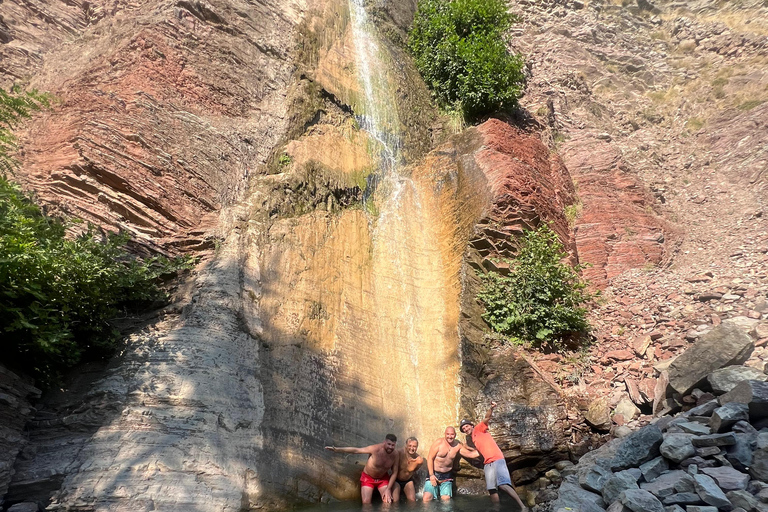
{"x":635,"y":472}
{"x":653,"y":468}
{"x":725,"y":379}
{"x":761,"y":440}
{"x":708,"y":451}
{"x":724,"y":345}
{"x":594,"y":479}
{"x":694,"y":427}
{"x":641,"y":446}
{"x":740,"y":454}
{"x":619,"y":482}
{"x":741,"y":499}
{"x":572,"y":495}
{"x":677,"y":447}
{"x":754,"y":393}
{"x":685,"y":483}
{"x":727,"y":439}
{"x":728,"y":479}
{"x":639,"y":500}
{"x":666,"y":484}
{"x":674,"y":508}
{"x":616,"y":506}
{"x":684,"y":498}
{"x":723,"y":418}
{"x":700,"y":508}
{"x":759,"y":467}
{"x":621,"y":431}
{"x":709,"y":492}
{"x":743,"y":427}
{"x":738,"y":509}
{"x":705,"y":409}
{"x":24,"y":507}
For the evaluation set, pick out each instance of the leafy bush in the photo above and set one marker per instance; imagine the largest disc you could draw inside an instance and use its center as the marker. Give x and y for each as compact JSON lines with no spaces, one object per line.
{"x":541,"y":300}
{"x":14,"y":106}
{"x":57,"y":296}
{"x":460,"y":51}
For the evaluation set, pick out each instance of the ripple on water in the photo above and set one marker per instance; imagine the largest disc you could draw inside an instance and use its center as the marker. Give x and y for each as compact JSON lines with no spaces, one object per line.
{"x":459,"y":504}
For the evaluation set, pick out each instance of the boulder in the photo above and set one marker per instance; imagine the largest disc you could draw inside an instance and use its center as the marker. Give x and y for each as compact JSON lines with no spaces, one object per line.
{"x":725,"y":379}
{"x":667,"y":484}
{"x":627,"y":409}
{"x":726,"y":439}
{"x":728,"y":479}
{"x":599,"y":414}
{"x":594,"y":479}
{"x":572,"y":496}
{"x":701,"y":508}
{"x":637,"y":448}
{"x":725,"y":345}
{"x":753,"y":393}
{"x":740,"y":454}
{"x":654,"y":468}
{"x":741,"y":499}
{"x":674,"y":508}
{"x":639,"y":500}
{"x":618,"y":483}
{"x":684,"y":498}
{"x":677,"y":447}
{"x":723,"y":418}
{"x":694,"y":427}
{"x":759,"y":468}
{"x":709,"y":492}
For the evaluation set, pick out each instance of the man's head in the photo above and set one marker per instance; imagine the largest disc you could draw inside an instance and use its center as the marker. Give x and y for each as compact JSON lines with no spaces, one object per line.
{"x":450,"y":434}
{"x":390,"y":441}
{"x":466,"y":426}
{"x":411,"y":445}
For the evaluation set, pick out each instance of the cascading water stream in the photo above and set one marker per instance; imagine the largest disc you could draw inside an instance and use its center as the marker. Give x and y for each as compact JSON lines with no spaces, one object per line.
{"x":408,"y":304}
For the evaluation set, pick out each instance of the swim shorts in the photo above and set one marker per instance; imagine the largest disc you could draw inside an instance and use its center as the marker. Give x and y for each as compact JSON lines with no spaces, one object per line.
{"x":367,"y":480}
{"x":496,"y":474}
{"x":444,"y":485}
{"x":403,"y":483}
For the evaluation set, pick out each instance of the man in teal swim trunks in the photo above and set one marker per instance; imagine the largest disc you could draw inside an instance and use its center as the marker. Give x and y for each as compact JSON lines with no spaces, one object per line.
{"x":440,"y":461}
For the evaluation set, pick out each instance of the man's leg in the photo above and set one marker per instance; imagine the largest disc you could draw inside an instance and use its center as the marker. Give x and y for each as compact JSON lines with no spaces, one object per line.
{"x":446,"y":491}
{"x":511,"y":491}
{"x":410,"y":491}
{"x":396,"y":492}
{"x":382,"y":490}
{"x":367,"y":494}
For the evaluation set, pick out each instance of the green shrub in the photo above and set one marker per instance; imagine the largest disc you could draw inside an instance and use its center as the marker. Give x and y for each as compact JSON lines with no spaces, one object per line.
{"x":541,"y":300}
{"x":460,"y":49}
{"x":57,"y":295}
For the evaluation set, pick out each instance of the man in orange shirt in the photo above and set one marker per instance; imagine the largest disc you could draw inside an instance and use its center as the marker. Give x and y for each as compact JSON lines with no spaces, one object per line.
{"x":496,"y":471}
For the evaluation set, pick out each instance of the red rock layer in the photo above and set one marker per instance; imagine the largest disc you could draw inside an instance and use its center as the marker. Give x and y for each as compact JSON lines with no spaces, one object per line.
{"x":617,"y":229}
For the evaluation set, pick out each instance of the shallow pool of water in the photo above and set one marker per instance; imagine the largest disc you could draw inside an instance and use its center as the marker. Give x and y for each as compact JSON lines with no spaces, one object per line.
{"x":458,"y":504}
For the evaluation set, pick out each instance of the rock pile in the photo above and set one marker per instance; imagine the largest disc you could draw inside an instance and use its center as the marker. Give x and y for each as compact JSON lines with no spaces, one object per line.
{"x":714,"y":456}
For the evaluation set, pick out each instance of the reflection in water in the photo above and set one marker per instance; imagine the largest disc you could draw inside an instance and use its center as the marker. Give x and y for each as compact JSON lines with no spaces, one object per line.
{"x":459,"y":504}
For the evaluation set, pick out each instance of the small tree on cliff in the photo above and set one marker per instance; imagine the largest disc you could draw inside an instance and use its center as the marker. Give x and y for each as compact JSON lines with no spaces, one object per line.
{"x":541,"y":300}
{"x":15,"y":106}
{"x":460,"y":48}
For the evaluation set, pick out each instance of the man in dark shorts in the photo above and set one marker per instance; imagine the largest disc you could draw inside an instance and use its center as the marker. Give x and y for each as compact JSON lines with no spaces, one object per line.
{"x":410,"y":461}
{"x":440,"y":461}
{"x":496,"y":471}
{"x":382,"y":459}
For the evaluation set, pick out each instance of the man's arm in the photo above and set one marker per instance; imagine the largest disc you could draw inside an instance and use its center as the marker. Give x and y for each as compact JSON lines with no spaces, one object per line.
{"x":351,"y":449}
{"x":488,"y":414}
{"x":431,"y":461}
{"x":386,"y":497}
{"x":468,"y":453}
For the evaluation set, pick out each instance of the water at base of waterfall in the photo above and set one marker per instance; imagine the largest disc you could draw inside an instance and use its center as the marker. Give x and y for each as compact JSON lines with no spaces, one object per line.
{"x":458,"y":504}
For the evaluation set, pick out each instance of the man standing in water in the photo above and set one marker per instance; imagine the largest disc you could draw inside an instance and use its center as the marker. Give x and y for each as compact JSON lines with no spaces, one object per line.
{"x":410,"y":461}
{"x":440,"y":460}
{"x":496,"y":471}
{"x":382,"y":458}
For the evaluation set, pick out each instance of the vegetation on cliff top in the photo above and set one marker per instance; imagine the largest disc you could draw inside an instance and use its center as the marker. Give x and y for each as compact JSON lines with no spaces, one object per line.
{"x":57,"y":295}
{"x":460,"y":48}
{"x":541,"y":300}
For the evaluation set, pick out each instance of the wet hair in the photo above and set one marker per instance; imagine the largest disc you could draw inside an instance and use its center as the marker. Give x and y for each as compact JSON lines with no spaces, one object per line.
{"x":411,"y":439}
{"x":391,"y":437}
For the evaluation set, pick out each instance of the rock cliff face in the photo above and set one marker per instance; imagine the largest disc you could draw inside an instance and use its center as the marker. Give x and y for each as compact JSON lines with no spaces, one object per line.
{"x":339,"y":302}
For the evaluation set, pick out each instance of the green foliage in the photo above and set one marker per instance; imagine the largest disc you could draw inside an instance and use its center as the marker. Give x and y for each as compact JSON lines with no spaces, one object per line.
{"x":541,"y":300}
{"x":57,"y":296}
{"x":15,"y":106}
{"x":460,"y":49}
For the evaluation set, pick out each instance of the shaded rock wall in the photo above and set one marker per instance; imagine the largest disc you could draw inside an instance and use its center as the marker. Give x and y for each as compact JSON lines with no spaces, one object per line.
{"x":16,"y":396}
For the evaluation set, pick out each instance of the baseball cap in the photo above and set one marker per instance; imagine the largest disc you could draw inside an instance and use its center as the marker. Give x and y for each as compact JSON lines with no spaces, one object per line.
{"x":465,"y":422}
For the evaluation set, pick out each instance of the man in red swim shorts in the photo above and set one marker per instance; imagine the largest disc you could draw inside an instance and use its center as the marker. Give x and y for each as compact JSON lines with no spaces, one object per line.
{"x":380,"y":470}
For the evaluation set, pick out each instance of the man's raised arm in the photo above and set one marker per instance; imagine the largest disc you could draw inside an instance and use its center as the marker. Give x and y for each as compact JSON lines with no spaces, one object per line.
{"x":350,"y":449}
{"x":488,"y":414}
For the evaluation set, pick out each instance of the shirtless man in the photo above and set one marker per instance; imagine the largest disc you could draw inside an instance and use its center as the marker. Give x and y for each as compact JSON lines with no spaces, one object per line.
{"x":410,"y":461}
{"x":382,"y":458}
{"x":440,"y":460}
